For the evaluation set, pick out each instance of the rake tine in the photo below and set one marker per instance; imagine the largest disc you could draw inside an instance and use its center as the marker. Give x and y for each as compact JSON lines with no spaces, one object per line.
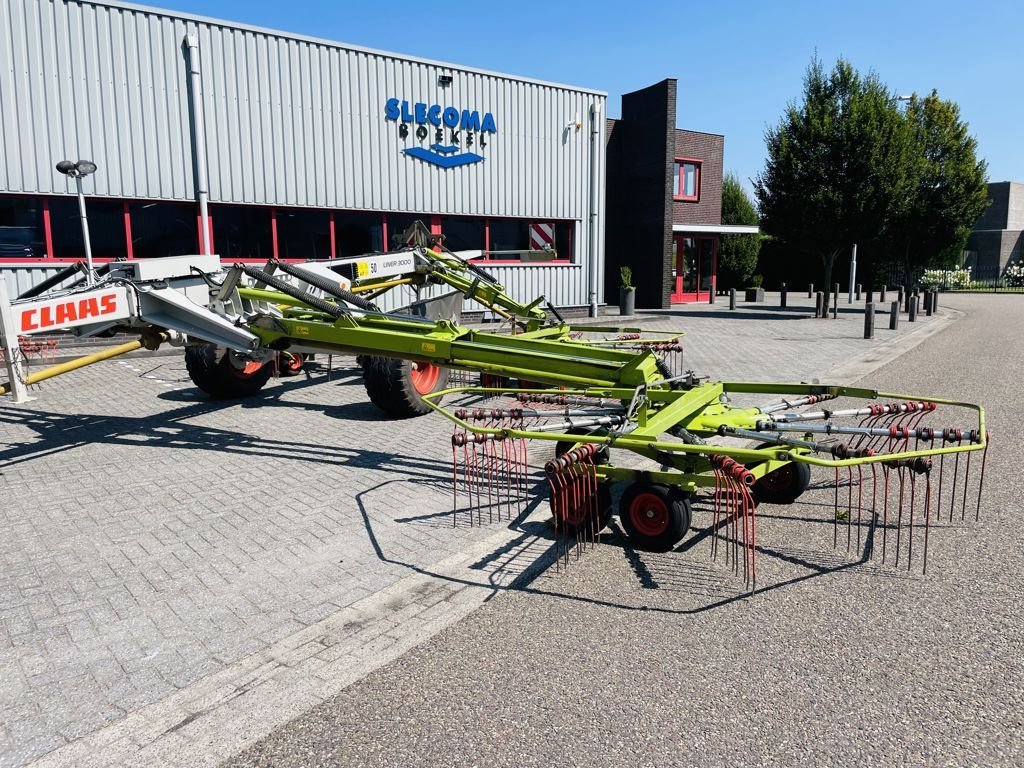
{"x":849,"y":507}
{"x":938,"y":496}
{"x":952,"y":497}
{"x":981,"y":480}
{"x":885,"y":511}
{"x":910,"y":530}
{"x":835,"y":513}
{"x":967,"y":474}
{"x":860,"y":506}
{"x":899,"y":517}
{"x":714,"y":523}
{"x":927,"y":519}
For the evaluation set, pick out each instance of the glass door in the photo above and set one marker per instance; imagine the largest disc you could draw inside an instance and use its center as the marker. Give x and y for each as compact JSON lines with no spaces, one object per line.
{"x":693,"y":260}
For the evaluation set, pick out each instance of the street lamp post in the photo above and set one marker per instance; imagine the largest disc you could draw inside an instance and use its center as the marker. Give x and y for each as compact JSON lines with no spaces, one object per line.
{"x":78,"y":171}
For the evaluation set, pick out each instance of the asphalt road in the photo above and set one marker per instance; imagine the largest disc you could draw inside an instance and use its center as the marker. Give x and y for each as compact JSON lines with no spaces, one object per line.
{"x":633,"y":659}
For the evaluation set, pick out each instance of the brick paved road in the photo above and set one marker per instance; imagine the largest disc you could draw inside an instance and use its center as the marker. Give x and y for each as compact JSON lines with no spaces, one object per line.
{"x":153,"y":539}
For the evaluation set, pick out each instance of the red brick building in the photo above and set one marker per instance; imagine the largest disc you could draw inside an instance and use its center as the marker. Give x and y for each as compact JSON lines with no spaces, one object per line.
{"x":664,"y":202}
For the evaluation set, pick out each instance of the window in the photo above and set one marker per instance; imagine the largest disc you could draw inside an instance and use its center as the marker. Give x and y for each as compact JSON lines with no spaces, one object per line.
{"x":303,"y":233}
{"x":686,"y":180}
{"x":509,"y":235}
{"x":357,"y":233}
{"x":163,"y":229}
{"x":241,"y":232}
{"x":398,"y":223}
{"x":464,"y":234}
{"x":21,"y":227}
{"x":106,"y":228}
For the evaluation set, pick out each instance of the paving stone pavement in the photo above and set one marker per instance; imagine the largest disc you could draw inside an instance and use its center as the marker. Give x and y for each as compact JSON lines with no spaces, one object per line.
{"x":164,"y":557}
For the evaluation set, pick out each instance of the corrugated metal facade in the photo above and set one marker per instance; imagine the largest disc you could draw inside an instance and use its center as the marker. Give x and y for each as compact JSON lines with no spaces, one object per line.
{"x":289,"y":121}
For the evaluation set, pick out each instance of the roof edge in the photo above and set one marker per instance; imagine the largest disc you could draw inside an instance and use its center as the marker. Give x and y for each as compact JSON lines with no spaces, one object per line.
{"x":153,"y":10}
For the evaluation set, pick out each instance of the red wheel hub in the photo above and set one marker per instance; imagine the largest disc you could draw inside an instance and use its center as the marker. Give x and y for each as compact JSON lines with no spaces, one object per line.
{"x":250,"y":368}
{"x":649,"y":514}
{"x":424,"y":377}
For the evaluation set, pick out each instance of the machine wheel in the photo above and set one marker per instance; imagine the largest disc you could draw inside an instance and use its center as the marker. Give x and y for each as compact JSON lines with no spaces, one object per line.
{"x":601,"y":457}
{"x":582,"y":520}
{"x":784,"y":485}
{"x":397,"y":386}
{"x":223,"y":373}
{"x":654,"y":516}
{"x":291,"y":363}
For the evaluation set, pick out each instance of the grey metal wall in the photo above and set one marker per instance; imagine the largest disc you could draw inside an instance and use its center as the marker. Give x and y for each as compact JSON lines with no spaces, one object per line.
{"x":288,"y":121}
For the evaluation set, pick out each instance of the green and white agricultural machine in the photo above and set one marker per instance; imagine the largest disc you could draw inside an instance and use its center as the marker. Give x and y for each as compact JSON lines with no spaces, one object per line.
{"x":601,"y":394}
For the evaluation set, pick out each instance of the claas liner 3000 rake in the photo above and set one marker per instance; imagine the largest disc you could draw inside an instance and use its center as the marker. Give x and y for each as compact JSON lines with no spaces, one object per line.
{"x":897,"y":464}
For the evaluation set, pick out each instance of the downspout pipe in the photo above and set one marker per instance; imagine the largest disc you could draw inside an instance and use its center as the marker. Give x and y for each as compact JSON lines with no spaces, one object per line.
{"x":595,"y":200}
{"x":199,"y":131}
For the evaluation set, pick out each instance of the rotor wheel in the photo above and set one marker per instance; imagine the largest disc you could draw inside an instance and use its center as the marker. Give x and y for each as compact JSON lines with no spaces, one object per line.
{"x":291,"y":363}
{"x":583,"y":520}
{"x":397,"y":387}
{"x":655,"y":517}
{"x":784,"y":485}
{"x":223,"y":373}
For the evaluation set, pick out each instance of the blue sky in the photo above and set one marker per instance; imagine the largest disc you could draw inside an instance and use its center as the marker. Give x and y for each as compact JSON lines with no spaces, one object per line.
{"x":737,"y":63}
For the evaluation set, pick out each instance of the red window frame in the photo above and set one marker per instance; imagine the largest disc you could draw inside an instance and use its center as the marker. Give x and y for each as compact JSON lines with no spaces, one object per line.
{"x":677,"y":193}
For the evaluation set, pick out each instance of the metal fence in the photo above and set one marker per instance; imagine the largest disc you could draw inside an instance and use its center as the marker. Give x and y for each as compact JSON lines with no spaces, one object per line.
{"x":989,"y":278}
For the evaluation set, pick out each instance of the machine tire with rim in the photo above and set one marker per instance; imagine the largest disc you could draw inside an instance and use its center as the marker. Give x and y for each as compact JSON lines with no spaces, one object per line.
{"x":784,"y":485}
{"x":397,"y":386}
{"x":223,"y":373}
{"x":655,"y":517}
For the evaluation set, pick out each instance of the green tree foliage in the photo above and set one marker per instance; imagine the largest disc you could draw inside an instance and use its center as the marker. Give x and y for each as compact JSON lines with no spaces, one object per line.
{"x":737,"y":254}
{"x":836,"y":162}
{"x":948,"y":190}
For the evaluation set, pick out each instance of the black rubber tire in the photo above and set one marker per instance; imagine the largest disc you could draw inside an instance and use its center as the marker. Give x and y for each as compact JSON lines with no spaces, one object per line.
{"x":604,"y":514}
{"x":601,"y":457}
{"x":217,"y":371}
{"x":670,"y":516}
{"x":390,"y":387}
{"x":784,"y":485}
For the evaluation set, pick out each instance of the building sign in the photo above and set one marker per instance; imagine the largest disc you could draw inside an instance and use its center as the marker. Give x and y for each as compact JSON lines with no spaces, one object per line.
{"x":452,"y":133}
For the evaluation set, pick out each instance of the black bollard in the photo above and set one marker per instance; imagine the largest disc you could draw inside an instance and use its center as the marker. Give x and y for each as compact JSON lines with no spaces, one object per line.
{"x":906,"y":300}
{"x":810,"y":291}
{"x":928,"y":303}
{"x":894,"y":315}
{"x":899,"y":294}
{"x":819,"y":304}
{"x":870,"y":297}
{"x":935,"y":301}
{"x":869,"y":321}
{"x":912,"y":309}
{"x":835,"y":300}
{"x":711,"y":296}
{"x":881,"y":295}
{"x":782,"y":296}
{"x":732,"y":298}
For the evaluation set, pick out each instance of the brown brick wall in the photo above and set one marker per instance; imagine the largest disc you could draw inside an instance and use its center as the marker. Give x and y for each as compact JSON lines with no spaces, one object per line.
{"x":709,"y":148}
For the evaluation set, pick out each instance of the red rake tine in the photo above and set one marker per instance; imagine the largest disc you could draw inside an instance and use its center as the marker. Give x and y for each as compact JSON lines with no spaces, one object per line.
{"x":835,"y":513}
{"x":899,"y":517}
{"x":910,"y":530}
{"x":927,"y":519}
{"x":849,"y":506}
{"x":885,"y":510}
{"x":967,"y":475}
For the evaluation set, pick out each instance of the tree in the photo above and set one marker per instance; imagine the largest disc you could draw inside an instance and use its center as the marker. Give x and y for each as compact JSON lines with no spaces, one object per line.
{"x":737,"y":254}
{"x":948,"y":187}
{"x":835,"y":164}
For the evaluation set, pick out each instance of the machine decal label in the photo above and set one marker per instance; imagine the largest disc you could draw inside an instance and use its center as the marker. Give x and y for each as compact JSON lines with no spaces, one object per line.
{"x":71,"y":311}
{"x":451,"y":128}
{"x":427,"y":346}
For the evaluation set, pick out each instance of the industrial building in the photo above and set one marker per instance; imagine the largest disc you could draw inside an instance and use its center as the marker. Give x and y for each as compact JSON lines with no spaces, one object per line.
{"x":997,"y":239}
{"x":287,"y":146}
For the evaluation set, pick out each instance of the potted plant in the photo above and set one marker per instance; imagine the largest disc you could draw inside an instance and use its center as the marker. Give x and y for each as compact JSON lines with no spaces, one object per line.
{"x":627,"y":293}
{"x":755,"y":292}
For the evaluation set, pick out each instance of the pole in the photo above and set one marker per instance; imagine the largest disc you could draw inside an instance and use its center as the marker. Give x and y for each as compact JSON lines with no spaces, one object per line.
{"x":596,"y":148}
{"x":202,"y":187}
{"x":853,"y":272}
{"x":90,"y":276}
{"x":74,"y":365}
{"x":11,"y":348}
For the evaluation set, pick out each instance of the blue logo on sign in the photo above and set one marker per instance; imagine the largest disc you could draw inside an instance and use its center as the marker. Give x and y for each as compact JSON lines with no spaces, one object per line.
{"x":455,"y":131}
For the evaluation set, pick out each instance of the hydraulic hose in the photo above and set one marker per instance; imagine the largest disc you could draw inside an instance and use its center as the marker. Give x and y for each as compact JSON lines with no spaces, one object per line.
{"x":290,"y":290}
{"x":327,"y":286}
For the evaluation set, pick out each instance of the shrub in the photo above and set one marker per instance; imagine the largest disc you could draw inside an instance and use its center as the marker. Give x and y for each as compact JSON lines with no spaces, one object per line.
{"x":1015,"y":275}
{"x":946,"y":278}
